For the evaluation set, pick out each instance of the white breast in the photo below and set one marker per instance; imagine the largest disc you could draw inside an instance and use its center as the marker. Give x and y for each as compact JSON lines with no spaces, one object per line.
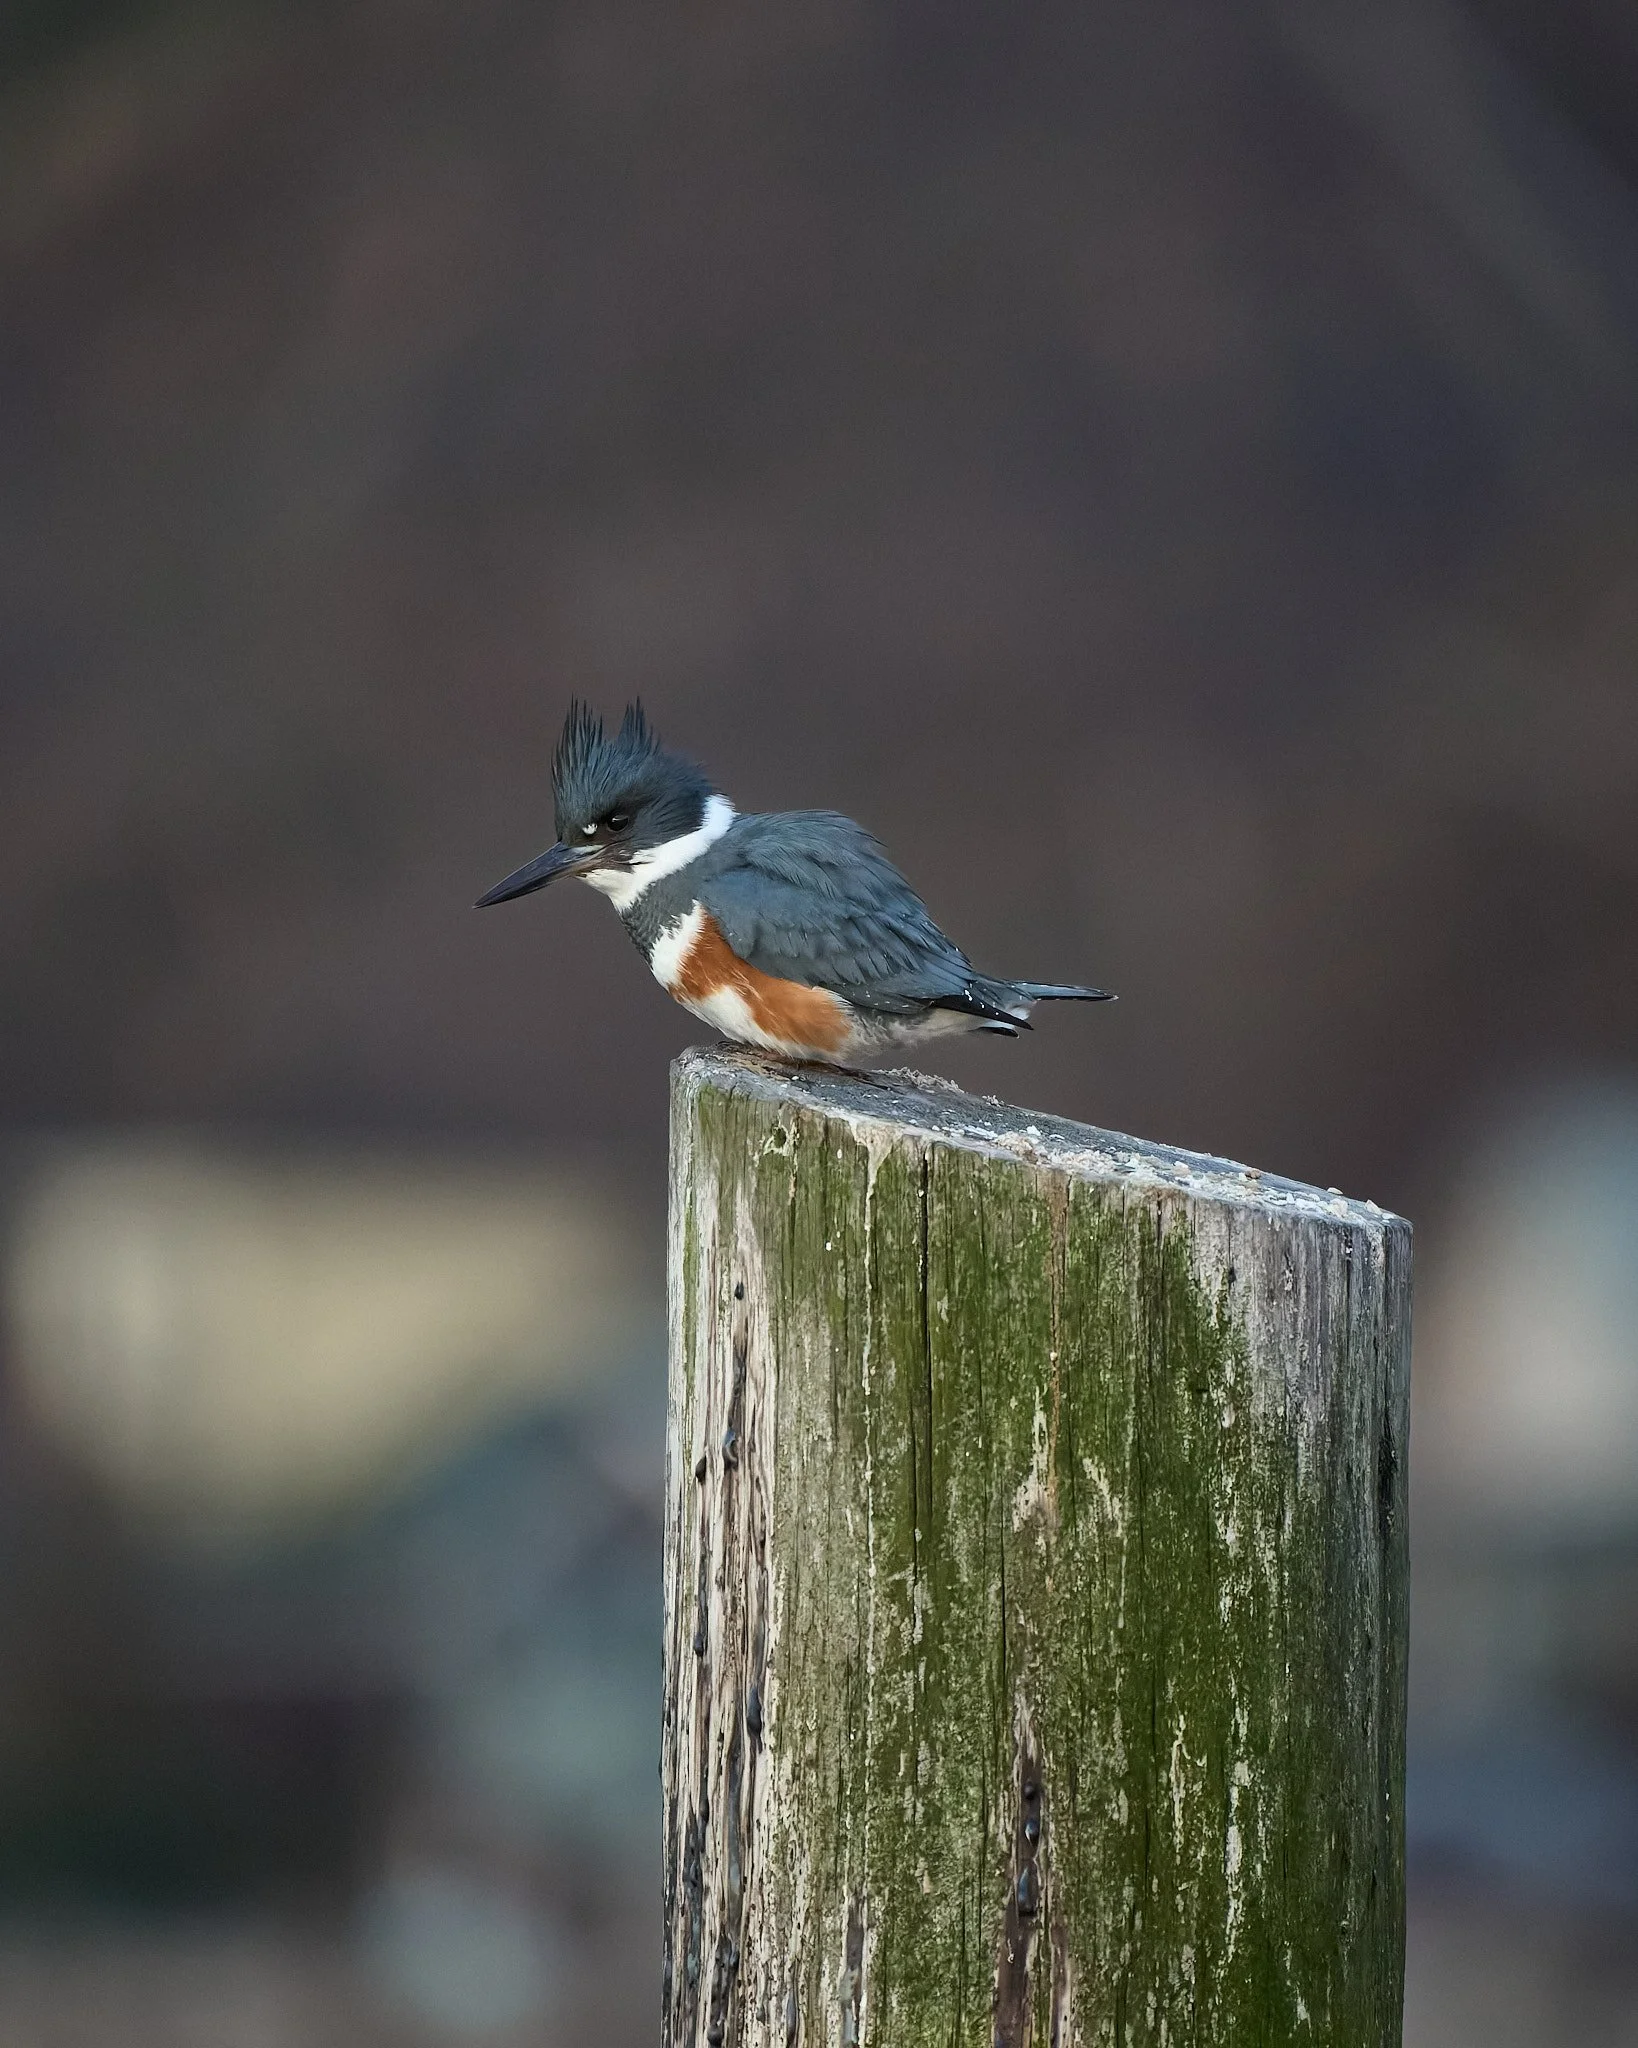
{"x":673,"y":947}
{"x":727,"y":1011}
{"x":724,"y":1008}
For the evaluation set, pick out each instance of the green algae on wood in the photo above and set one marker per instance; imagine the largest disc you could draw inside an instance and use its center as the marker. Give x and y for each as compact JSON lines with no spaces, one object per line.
{"x":1035,"y":1582}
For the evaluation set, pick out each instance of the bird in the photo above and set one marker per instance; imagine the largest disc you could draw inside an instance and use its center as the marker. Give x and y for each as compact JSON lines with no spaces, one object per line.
{"x":789,"y":931}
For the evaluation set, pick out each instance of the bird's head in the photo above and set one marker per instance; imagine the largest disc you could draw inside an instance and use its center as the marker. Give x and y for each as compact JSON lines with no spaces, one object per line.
{"x":620,"y":800}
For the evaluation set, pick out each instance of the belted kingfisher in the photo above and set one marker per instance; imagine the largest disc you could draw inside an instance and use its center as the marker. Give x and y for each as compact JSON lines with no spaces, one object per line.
{"x":791,"y":931}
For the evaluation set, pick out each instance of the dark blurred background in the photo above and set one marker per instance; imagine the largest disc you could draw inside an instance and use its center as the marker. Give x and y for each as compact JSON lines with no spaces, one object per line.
{"x":1173,"y":472}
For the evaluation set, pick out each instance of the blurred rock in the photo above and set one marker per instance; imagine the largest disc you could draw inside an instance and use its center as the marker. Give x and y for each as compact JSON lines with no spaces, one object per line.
{"x":1526,"y":1412}
{"x":468,"y":1957}
{"x":233,"y":1340}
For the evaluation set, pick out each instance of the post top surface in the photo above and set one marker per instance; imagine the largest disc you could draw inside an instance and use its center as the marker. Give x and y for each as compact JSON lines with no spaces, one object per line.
{"x":901,"y":1103}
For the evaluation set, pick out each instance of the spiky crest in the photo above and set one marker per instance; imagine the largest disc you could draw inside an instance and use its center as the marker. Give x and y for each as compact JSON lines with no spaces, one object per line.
{"x":591,"y":773}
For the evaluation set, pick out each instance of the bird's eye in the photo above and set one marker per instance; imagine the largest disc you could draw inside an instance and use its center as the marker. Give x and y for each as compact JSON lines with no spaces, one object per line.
{"x":617,"y":821}
{"x":588,"y":831}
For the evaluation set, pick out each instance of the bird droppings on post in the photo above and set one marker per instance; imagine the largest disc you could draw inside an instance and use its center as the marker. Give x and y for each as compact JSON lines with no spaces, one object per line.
{"x":1183,"y":1366}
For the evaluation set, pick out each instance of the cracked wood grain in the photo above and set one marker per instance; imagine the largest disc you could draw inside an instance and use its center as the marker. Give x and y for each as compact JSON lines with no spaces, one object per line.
{"x":1035,"y":1582}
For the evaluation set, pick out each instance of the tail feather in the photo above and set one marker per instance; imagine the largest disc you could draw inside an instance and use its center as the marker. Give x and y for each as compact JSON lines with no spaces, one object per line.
{"x":1060,"y":992}
{"x":987,"y":1001}
{"x":1004,"y":1005}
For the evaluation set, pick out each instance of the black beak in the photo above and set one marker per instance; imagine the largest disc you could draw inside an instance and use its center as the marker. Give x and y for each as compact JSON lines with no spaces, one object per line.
{"x":546,"y":867}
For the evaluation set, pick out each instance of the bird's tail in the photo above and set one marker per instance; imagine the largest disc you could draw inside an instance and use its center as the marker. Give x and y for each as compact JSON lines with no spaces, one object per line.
{"x":1060,"y":992}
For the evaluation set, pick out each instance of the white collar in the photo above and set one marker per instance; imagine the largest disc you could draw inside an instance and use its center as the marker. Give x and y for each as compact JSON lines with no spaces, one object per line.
{"x":623,"y":886}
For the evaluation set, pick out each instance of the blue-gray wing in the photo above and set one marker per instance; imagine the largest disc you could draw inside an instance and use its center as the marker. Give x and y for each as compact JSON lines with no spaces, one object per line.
{"x":809,"y":896}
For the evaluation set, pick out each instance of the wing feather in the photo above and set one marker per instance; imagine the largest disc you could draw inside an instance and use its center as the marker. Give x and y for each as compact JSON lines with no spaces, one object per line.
{"x":810,"y":896}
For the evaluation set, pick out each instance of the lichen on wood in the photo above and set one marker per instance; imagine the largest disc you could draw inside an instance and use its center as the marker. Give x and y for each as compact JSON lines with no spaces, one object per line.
{"x":1035,"y":1582}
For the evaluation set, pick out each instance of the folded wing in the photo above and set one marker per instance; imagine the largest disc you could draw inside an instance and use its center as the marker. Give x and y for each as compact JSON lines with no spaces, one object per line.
{"x":809,"y":896}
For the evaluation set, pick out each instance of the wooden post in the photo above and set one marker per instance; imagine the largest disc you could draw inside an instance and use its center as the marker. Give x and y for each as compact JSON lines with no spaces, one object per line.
{"x":1035,"y":1582}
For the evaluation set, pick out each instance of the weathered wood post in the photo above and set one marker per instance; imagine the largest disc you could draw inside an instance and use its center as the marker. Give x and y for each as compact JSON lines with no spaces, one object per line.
{"x":1035,"y":1582}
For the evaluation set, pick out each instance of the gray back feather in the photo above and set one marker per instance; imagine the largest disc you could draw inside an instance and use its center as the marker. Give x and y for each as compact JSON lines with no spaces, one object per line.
{"x":810,"y":896}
